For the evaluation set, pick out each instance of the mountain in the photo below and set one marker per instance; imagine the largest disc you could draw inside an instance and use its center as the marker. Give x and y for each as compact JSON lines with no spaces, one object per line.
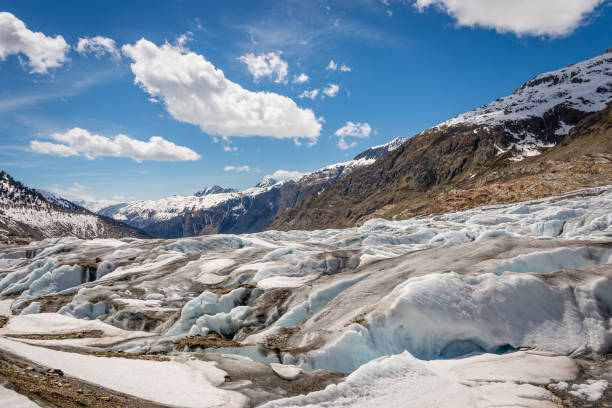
{"x":529,"y":144}
{"x":28,"y":214}
{"x":217,"y":210}
{"x":214,"y":190}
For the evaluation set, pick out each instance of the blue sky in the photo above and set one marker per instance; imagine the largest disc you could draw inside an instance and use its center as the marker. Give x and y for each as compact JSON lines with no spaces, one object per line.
{"x":412,"y":65}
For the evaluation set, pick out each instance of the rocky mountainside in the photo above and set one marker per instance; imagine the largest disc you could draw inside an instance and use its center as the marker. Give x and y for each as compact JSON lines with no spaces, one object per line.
{"x":550,"y":136}
{"x":218,"y":210}
{"x":27,"y":214}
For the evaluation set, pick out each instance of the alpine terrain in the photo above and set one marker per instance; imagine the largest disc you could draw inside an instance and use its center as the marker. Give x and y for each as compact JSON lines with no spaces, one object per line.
{"x":27,"y":214}
{"x":552,"y":135}
{"x":467,"y":266}
{"x":216,"y":210}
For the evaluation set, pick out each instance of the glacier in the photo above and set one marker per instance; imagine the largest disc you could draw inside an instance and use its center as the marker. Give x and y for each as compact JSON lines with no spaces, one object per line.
{"x":500,"y":305}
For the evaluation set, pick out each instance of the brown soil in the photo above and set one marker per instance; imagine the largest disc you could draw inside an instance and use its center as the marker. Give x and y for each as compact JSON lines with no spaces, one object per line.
{"x":60,"y":336}
{"x":209,"y":341}
{"x":457,"y":168}
{"x":3,"y":320}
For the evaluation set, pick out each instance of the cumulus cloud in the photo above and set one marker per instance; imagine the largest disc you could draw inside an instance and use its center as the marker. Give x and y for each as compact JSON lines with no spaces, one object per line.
{"x":77,"y":142}
{"x":267,"y":65}
{"x":352,"y":130}
{"x":196,"y":92}
{"x":230,"y":149}
{"x":522,"y":17}
{"x":300,"y":79}
{"x":309,"y":94}
{"x":43,"y":52}
{"x":98,"y":46}
{"x":245,"y":169}
{"x":285,"y":175}
{"x":333,"y":66}
{"x":331,"y":90}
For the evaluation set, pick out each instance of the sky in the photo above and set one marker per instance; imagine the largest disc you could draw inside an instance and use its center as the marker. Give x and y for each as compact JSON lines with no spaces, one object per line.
{"x":123,"y":101}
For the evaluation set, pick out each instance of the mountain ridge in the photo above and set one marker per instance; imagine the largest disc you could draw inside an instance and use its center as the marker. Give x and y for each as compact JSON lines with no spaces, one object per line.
{"x":28,"y":214}
{"x":231,"y":211}
{"x":429,"y":166}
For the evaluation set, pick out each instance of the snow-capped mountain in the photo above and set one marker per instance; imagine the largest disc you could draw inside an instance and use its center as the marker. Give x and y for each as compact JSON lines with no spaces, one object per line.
{"x":543,"y":110}
{"x":214,"y":190}
{"x":220,"y":210}
{"x":33,"y":214}
{"x":61,"y":202}
{"x":489,"y":154}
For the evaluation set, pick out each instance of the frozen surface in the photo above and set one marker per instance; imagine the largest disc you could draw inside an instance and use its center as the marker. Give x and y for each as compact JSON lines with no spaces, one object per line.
{"x":398,"y":305}
{"x":182,"y":382}
{"x":479,"y":381}
{"x":288,"y":372}
{"x":12,"y":399}
{"x":591,"y":391}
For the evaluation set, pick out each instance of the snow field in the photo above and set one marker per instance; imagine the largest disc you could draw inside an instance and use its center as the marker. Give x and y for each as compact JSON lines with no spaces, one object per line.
{"x":178,"y":382}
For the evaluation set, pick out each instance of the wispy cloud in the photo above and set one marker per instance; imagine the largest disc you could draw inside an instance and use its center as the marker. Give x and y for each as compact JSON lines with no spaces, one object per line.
{"x":245,"y":169}
{"x":58,"y":90}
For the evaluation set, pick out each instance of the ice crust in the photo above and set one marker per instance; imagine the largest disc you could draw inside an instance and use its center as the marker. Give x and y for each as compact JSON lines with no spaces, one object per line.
{"x":393,"y":303}
{"x":481,"y":381}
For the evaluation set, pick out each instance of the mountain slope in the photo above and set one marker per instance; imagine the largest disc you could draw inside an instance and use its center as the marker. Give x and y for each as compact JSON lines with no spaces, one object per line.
{"x":217,"y":210}
{"x":27,"y":214}
{"x":500,"y":143}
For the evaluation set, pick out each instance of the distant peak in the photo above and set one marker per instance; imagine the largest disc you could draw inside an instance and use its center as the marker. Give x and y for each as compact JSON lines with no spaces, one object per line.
{"x":376,"y":152}
{"x":266,"y":182}
{"x":214,"y":190}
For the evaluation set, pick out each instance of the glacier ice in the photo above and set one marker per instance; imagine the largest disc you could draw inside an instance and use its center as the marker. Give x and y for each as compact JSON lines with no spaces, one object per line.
{"x":398,"y":305}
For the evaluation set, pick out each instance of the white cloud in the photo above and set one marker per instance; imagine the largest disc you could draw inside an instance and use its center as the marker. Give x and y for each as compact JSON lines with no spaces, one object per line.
{"x":352,"y":130}
{"x":331,"y":90}
{"x":284,"y":175}
{"x":79,"y":141}
{"x":98,"y":46}
{"x":196,"y":92}
{"x":539,"y":17}
{"x":300,"y":79}
{"x":345,"y":68}
{"x":267,"y":65}
{"x":245,"y":169}
{"x":333,"y":66}
{"x":230,"y":149}
{"x":43,"y":52}
{"x":309,"y":94}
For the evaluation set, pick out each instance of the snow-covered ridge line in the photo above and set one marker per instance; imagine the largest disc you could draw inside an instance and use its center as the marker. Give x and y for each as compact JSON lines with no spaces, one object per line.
{"x":586,"y":86}
{"x":149,"y":211}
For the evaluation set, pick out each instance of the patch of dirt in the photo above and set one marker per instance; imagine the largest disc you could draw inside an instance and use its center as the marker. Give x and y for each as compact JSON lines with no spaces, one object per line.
{"x":49,"y":304}
{"x":60,"y":336}
{"x":3,"y":321}
{"x":208,"y":341}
